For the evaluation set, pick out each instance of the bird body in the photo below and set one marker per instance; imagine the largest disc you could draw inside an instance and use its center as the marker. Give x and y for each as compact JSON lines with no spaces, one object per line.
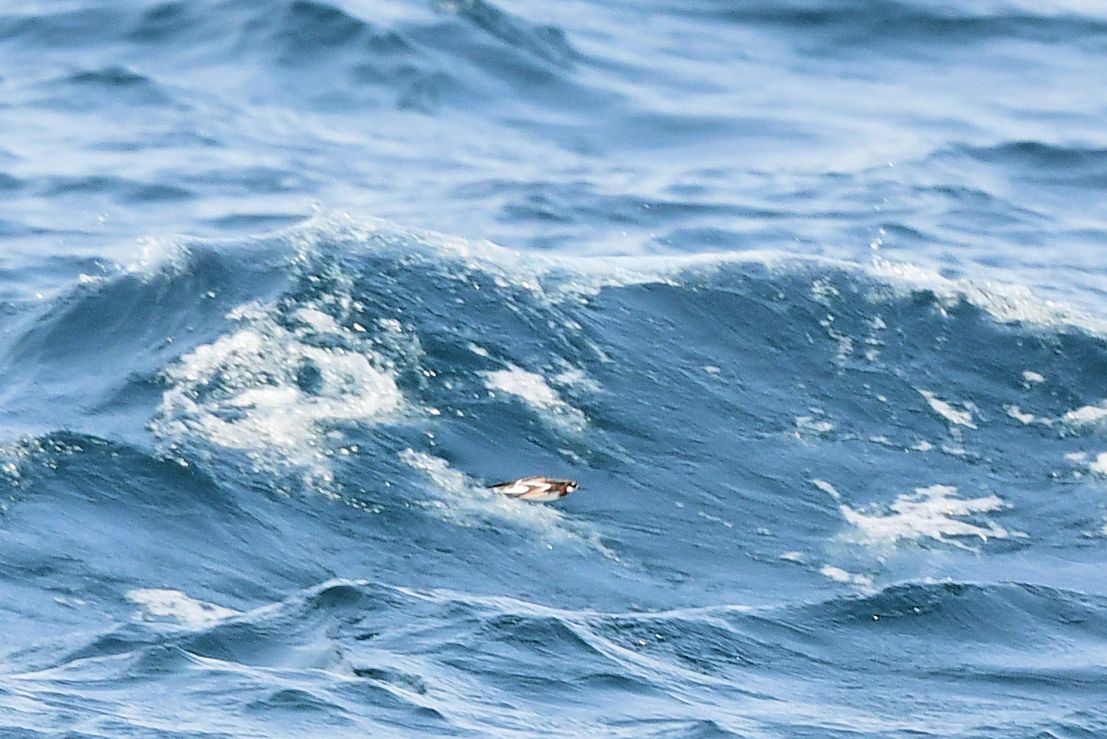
{"x":535,"y":489}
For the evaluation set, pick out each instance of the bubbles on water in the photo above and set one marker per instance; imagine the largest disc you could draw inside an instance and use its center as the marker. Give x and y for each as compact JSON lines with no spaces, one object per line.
{"x":533,"y":389}
{"x":957,"y":416}
{"x":1088,"y":415}
{"x":933,"y":512}
{"x":812,"y":426}
{"x":277,"y":389}
{"x":158,"y":255}
{"x":1019,"y":415}
{"x":837,"y":574}
{"x":827,"y":488}
{"x":161,"y":603}
{"x":1006,"y":303}
{"x":1032,"y":377}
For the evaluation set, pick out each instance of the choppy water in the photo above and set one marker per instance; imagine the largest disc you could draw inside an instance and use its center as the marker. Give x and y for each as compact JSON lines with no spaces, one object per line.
{"x":809,"y":296}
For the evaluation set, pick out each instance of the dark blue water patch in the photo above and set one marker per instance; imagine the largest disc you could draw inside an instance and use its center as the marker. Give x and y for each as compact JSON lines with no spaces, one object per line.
{"x":1047,"y":164}
{"x":250,"y":180}
{"x":80,"y":27}
{"x":334,"y":58}
{"x":297,"y":702}
{"x":984,"y":615}
{"x":25,"y":284}
{"x":154,"y":140}
{"x":253,"y":222}
{"x":10,"y":229}
{"x":117,"y":88}
{"x":147,"y":319}
{"x":545,"y":42}
{"x":310,"y":28}
{"x":162,"y":23}
{"x":981,"y":209}
{"x":478,"y":70}
{"x":698,"y":239}
{"x":116,"y":188}
{"x":113,"y":78}
{"x":889,"y":24}
{"x":581,"y":203}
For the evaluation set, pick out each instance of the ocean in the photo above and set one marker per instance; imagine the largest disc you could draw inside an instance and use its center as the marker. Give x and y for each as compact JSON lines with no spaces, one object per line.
{"x":809,"y":297}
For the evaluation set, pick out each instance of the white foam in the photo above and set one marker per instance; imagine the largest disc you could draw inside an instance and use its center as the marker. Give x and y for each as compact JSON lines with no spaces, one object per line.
{"x":157,"y":256}
{"x":827,"y":488}
{"x":577,"y":378}
{"x":810,"y":425}
{"x":837,"y":574}
{"x":1099,"y":464}
{"x":529,"y":386}
{"x":1006,"y":303}
{"x":242,"y":391}
{"x":793,"y":556}
{"x":391,"y":324}
{"x":932,"y":512}
{"x":439,"y":472}
{"x":1035,"y":378}
{"x":466,"y":502}
{"x":1086,"y":415}
{"x":333,"y":231}
{"x":947,"y":411}
{"x":723,"y":522}
{"x":533,"y":389}
{"x":176,"y":605}
{"x":318,"y":320}
{"x":584,"y":275}
{"x":1024,"y":418}
{"x":822,"y":290}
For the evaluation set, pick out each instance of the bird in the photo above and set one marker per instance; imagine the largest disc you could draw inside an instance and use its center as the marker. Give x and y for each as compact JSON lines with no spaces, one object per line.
{"x":535,"y":489}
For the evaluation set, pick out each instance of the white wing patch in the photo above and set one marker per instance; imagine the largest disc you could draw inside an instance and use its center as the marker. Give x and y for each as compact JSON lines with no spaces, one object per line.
{"x":536,"y":489}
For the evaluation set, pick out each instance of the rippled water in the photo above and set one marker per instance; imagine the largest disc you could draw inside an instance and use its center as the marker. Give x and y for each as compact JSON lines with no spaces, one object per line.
{"x":809,"y":296}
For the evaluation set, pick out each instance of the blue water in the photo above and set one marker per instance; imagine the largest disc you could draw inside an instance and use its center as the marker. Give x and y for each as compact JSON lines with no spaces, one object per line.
{"x":810,"y":296}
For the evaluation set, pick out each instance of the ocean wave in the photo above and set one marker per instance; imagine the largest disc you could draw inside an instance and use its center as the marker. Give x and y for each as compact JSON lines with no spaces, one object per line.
{"x":343,"y":638}
{"x":332,"y":399}
{"x":380,"y":295}
{"x":825,"y":358}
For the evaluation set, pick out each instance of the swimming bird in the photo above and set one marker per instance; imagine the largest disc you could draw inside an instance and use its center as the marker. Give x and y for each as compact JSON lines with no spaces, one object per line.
{"x":536,"y":489}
